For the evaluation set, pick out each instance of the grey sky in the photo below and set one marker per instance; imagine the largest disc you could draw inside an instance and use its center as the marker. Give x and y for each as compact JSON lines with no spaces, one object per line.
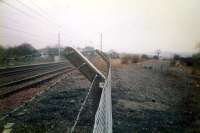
{"x":127,"y":25}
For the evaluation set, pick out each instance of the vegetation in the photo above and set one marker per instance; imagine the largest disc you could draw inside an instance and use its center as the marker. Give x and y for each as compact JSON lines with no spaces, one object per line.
{"x":193,"y":61}
{"x":126,"y":59}
{"x":135,"y":59}
{"x":2,"y":55}
{"x":21,"y":50}
{"x":196,"y":59}
{"x":130,"y":58}
{"x":18,"y":53}
{"x":176,"y":57}
{"x":145,"y":57}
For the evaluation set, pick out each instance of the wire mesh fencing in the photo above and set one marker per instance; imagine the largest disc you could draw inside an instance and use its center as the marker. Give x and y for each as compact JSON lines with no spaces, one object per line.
{"x":99,"y":95}
{"x":103,"y":117}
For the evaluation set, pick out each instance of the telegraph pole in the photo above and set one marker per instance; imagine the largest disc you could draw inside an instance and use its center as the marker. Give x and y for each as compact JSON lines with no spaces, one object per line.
{"x":101,"y":41}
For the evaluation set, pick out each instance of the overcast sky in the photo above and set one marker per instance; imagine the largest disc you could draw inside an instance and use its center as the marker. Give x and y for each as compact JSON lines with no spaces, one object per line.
{"x":127,"y":25}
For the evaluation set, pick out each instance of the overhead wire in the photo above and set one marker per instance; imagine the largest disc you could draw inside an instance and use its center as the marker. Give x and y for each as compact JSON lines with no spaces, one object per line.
{"x":20,"y":25}
{"x":33,"y":17}
{"x":20,"y":31}
{"x":15,"y":8}
{"x":44,"y":12}
{"x":35,"y":12}
{"x":22,"y":12}
{"x":17,"y":30}
{"x":32,"y":38}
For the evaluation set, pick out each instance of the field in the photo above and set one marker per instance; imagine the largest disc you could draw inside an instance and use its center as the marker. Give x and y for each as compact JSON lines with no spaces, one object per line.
{"x":148,"y":100}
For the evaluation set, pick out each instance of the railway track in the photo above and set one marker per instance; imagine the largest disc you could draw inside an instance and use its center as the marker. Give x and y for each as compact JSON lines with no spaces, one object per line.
{"x":15,"y":70}
{"x":21,"y":73}
{"x":17,"y":78}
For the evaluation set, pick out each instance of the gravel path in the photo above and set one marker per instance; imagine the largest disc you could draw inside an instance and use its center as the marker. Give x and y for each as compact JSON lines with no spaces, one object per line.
{"x":147,"y":101}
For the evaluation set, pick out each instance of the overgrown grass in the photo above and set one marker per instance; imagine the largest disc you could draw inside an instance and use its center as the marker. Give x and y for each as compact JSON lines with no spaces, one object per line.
{"x":127,"y":59}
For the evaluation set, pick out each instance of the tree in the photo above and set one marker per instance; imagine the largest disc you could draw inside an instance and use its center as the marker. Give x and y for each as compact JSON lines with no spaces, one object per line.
{"x":25,"y":49}
{"x":2,"y":55}
{"x":145,"y":57}
{"x":21,"y":50}
{"x":155,"y":57}
{"x":176,"y":57}
{"x":196,"y":57}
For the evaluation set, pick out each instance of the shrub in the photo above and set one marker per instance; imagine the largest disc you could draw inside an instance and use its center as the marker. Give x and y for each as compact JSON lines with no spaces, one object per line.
{"x":125,"y":59}
{"x":196,"y":60}
{"x":155,"y":57}
{"x":135,"y":59}
{"x":130,"y":59}
{"x":145,"y":57}
{"x":176,"y":57}
{"x":2,"y":55}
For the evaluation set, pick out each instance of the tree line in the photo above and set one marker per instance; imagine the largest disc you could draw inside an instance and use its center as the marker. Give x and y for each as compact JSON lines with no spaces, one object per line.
{"x":193,"y":61}
{"x":16,"y":52}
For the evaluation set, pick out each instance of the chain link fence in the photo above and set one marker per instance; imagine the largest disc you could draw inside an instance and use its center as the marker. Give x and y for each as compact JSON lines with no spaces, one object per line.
{"x":103,"y":117}
{"x":99,"y":93}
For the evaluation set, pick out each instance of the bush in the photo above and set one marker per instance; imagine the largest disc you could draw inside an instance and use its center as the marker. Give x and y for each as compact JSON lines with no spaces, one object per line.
{"x":21,"y":50}
{"x":130,"y":59}
{"x":145,"y":57}
{"x":2,"y":55}
{"x":16,"y":54}
{"x":125,"y":59}
{"x":196,"y":60}
{"x":176,"y":57}
{"x":155,"y":57}
{"x":135,"y":59}
{"x":193,"y":61}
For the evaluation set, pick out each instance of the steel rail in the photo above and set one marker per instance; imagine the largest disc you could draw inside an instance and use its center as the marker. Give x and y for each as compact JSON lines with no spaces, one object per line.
{"x":20,"y":84}
{"x":18,"y":68}
{"x":15,"y":72}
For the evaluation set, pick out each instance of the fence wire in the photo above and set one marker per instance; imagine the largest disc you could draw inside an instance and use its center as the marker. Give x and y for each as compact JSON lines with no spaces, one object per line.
{"x":103,"y":117}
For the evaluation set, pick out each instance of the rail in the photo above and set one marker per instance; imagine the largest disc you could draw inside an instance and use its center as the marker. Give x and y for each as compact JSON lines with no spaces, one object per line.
{"x":27,"y":67}
{"x":9,"y":85}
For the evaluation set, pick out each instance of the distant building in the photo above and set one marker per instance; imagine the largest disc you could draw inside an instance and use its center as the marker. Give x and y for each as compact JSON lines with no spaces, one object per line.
{"x":44,"y":53}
